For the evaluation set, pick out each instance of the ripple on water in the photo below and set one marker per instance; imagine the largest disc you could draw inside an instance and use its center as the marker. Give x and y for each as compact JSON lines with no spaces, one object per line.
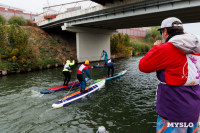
{"x":124,"y":105}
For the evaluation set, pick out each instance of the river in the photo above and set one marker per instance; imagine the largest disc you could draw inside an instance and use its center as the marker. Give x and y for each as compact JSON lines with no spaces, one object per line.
{"x":124,"y":105}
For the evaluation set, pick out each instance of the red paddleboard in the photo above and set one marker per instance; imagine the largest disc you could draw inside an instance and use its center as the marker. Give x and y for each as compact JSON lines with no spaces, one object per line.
{"x":61,"y":87}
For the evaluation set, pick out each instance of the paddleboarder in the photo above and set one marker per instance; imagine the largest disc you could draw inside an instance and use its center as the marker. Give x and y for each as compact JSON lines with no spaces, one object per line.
{"x":80,"y":75}
{"x":67,"y":71}
{"x":110,"y":66}
{"x":105,"y":55}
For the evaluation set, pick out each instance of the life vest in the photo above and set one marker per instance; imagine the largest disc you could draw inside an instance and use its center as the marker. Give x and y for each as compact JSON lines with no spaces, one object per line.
{"x":66,"y":67}
{"x":81,"y":68}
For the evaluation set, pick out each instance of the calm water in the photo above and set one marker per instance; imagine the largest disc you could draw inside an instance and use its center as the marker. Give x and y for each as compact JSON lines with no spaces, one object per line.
{"x":124,"y":105}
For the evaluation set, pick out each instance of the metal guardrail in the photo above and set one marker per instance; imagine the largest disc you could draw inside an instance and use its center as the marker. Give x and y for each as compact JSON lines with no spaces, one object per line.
{"x":114,"y":10}
{"x":55,"y":10}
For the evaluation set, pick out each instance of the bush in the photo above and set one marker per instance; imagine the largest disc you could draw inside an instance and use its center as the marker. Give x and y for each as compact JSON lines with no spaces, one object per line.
{"x":140,"y":46}
{"x":17,"y":36}
{"x":50,"y":61}
{"x":17,"y":20}
{"x":17,"y":54}
{"x":120,"y":45}
{"x":2,"y":35}
{"x":2,"y":20}
{"x":6,"y":65}
{"x":2,"y":39}
{"x":153,"y":35}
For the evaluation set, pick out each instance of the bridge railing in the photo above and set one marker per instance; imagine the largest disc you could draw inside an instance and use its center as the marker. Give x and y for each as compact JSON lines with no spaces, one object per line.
{"x":50,"y":12}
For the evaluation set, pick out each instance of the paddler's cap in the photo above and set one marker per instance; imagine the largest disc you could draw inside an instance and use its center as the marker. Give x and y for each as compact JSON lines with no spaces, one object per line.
{"x":169,"y":22}
{"x":68,"y":61}
{"x":102,"y":129}
{"x":87,"y":62}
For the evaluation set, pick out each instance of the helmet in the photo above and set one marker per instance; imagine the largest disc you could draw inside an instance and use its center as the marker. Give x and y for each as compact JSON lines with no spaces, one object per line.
{"x":68,"y":61}
{"x":87,"y":62}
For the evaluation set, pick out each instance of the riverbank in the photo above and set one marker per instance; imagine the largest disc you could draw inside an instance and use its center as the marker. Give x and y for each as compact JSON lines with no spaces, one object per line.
{"x":36,"y":49}
{"x":27,"y":48}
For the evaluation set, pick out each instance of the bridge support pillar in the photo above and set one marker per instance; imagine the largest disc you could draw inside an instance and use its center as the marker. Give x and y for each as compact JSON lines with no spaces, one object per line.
{"x":89,"y":46}
{"x":91,"y":42}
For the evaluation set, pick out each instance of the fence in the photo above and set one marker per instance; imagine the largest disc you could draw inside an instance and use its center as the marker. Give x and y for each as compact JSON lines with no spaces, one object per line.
{"x":134,"y":32}
{"x":7,"y":13}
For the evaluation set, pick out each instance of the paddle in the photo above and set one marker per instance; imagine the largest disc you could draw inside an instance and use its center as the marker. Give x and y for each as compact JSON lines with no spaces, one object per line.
{"x":70,"y":88}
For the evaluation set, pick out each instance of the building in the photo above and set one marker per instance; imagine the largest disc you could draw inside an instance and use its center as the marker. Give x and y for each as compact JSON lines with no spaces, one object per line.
{"x":135,"y":32}
{"x":8,"y":11}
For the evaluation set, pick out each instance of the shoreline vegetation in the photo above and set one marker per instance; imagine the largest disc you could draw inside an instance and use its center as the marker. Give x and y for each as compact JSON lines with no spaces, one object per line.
{"x":24,"y":47}
{"x":125,"y":46}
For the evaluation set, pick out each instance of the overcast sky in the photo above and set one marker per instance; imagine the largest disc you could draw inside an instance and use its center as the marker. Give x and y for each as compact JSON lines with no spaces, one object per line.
{"x":36,"y":6}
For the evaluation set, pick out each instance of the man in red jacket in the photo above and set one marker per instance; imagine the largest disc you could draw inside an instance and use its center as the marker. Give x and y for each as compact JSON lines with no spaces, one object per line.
{"x":176,"y":61}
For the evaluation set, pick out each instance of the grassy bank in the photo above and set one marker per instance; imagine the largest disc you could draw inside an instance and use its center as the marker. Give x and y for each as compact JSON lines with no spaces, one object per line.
{"x":25,"y":47}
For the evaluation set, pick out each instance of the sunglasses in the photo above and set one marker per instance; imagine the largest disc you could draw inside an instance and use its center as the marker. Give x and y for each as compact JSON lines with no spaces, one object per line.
{"x":161,"y":31}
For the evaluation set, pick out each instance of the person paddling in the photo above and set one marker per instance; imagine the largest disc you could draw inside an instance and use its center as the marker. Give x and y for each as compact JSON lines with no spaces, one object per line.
{"x":105,"y":55}
{"x":110,"y":65}
{"x":67,"y":71}
{"x":80,"y":75}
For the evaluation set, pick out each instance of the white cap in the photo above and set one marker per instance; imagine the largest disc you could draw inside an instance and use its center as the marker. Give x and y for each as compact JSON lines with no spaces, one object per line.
{"x":168,"y":22}
{"x":102,"y":129}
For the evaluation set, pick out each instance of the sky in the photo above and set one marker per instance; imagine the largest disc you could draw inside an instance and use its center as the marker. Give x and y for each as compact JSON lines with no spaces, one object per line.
{"x":36,"y":6}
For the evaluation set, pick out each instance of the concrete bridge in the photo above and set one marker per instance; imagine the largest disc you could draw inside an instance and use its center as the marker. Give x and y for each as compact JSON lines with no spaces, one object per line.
{"x":93,"y":26}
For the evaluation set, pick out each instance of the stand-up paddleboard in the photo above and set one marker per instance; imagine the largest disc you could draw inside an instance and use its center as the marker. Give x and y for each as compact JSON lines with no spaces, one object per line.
{"x":61,"y":87}
{"x":78,"y":95}
{"x":109,"y":78}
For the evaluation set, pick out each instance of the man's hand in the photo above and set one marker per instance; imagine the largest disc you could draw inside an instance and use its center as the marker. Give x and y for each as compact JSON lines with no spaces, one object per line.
{"x":158,"y":42}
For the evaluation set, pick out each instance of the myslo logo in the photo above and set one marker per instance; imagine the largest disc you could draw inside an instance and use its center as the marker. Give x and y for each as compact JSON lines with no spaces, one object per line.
{"x":180,"y":124}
